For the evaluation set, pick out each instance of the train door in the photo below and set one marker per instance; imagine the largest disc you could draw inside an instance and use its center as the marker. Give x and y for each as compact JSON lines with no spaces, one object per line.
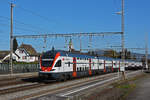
{"x":104,"y":66}
{"x":98,"y":64}
{"x":90,"y":72}
{"x":119,"y":66}
{"x":112,"y":66}
{"x":74,"y":74}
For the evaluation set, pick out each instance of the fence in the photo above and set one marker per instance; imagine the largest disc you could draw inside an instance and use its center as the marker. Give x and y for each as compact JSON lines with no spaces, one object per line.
{"x":18,"y":68}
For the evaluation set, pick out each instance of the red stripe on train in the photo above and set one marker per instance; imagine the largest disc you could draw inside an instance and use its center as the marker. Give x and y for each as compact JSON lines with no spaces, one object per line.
{"x":104,"y":66}
{"x":90,"y":72}
{"x":74,"y":74}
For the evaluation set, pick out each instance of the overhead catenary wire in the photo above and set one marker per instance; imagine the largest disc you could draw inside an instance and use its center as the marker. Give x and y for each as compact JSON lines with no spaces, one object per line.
{"x":33,"y":13}
{"x":20,"y":28}
{"x":117,"y":4}
{"x":22,"y":23}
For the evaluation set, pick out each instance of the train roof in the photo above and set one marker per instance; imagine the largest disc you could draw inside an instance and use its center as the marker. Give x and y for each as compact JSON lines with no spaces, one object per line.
{"x":77,"y":54}
{"x":83,"y":55}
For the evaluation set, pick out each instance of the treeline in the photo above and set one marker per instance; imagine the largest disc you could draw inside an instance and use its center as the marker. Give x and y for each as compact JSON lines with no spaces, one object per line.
{"x":114,"y":54}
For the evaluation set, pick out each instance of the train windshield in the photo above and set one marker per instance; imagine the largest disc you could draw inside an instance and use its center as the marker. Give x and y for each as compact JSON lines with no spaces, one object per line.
{"x":58,"y":64}
{"x":47,"y":59}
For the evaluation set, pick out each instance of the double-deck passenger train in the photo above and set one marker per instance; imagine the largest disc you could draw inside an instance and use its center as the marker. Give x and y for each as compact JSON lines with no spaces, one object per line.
{"x":62,"y":65}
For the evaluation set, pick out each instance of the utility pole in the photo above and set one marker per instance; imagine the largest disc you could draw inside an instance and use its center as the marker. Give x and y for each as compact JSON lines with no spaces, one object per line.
{"x":146,"y":52}
{"x":122,"y":38}
{"x":11,"y":39}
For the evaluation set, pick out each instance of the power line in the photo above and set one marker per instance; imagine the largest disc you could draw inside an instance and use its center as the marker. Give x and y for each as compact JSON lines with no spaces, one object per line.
{"x":24,"y":29}
{"x":22,"y":23}
{"x":117,"y":4}
{"x":20,"y":28}
{"x":34,"y":13}
{"x":2,"y":24}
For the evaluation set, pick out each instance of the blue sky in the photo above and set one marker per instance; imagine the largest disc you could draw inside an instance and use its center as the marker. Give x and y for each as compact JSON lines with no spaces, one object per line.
{"x":67,"y":16}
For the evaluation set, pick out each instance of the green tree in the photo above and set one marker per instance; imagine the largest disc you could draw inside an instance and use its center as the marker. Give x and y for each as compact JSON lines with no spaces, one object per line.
{"x":15,"y":45}
{"x":127,"y":54}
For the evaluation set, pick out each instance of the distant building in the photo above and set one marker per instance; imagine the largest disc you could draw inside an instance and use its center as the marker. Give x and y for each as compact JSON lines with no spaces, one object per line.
{"x":3,"y":54}
{"x":25,"y":53}
{"x":71,"y":45}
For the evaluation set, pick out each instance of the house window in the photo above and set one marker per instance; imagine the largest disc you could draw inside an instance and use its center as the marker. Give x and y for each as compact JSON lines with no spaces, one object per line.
{"x":23,"y":57}
{"x":21,"y":51}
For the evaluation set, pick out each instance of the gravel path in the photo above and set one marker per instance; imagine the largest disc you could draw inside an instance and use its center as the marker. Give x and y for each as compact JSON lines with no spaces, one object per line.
{"x":142,"y":91}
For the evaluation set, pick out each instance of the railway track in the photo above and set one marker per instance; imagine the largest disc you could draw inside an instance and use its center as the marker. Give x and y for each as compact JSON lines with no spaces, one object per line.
{"x":40,"y":85}
{"x":20,"y":88}
{"x":9,"y":77}
{"x":43,"y":88}
{"x":65,"y":87}
{"x":15,"y":81}
{"x":10,"y":83}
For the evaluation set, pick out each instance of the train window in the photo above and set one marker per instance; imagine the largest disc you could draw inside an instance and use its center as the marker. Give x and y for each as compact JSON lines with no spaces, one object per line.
{"x":100,"y":63}
{"x":47,"y":63}
{"x":58,"y":64}
{"x":80,"y":69}
{"x":87,"y":68}
{"x":68,"y":64}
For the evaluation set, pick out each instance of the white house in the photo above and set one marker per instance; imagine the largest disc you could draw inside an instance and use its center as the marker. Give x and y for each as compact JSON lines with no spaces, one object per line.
{"x":24,"y":56}
{"x":25,"y":53}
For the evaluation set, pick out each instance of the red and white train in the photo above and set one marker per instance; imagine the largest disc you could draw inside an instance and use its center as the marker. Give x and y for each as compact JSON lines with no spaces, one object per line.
{"x":62,"y":65}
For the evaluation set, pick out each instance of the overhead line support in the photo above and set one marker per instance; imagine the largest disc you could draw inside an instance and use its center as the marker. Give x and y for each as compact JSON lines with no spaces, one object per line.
{"x":67,"y":35}
{"x":11,"y":40}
